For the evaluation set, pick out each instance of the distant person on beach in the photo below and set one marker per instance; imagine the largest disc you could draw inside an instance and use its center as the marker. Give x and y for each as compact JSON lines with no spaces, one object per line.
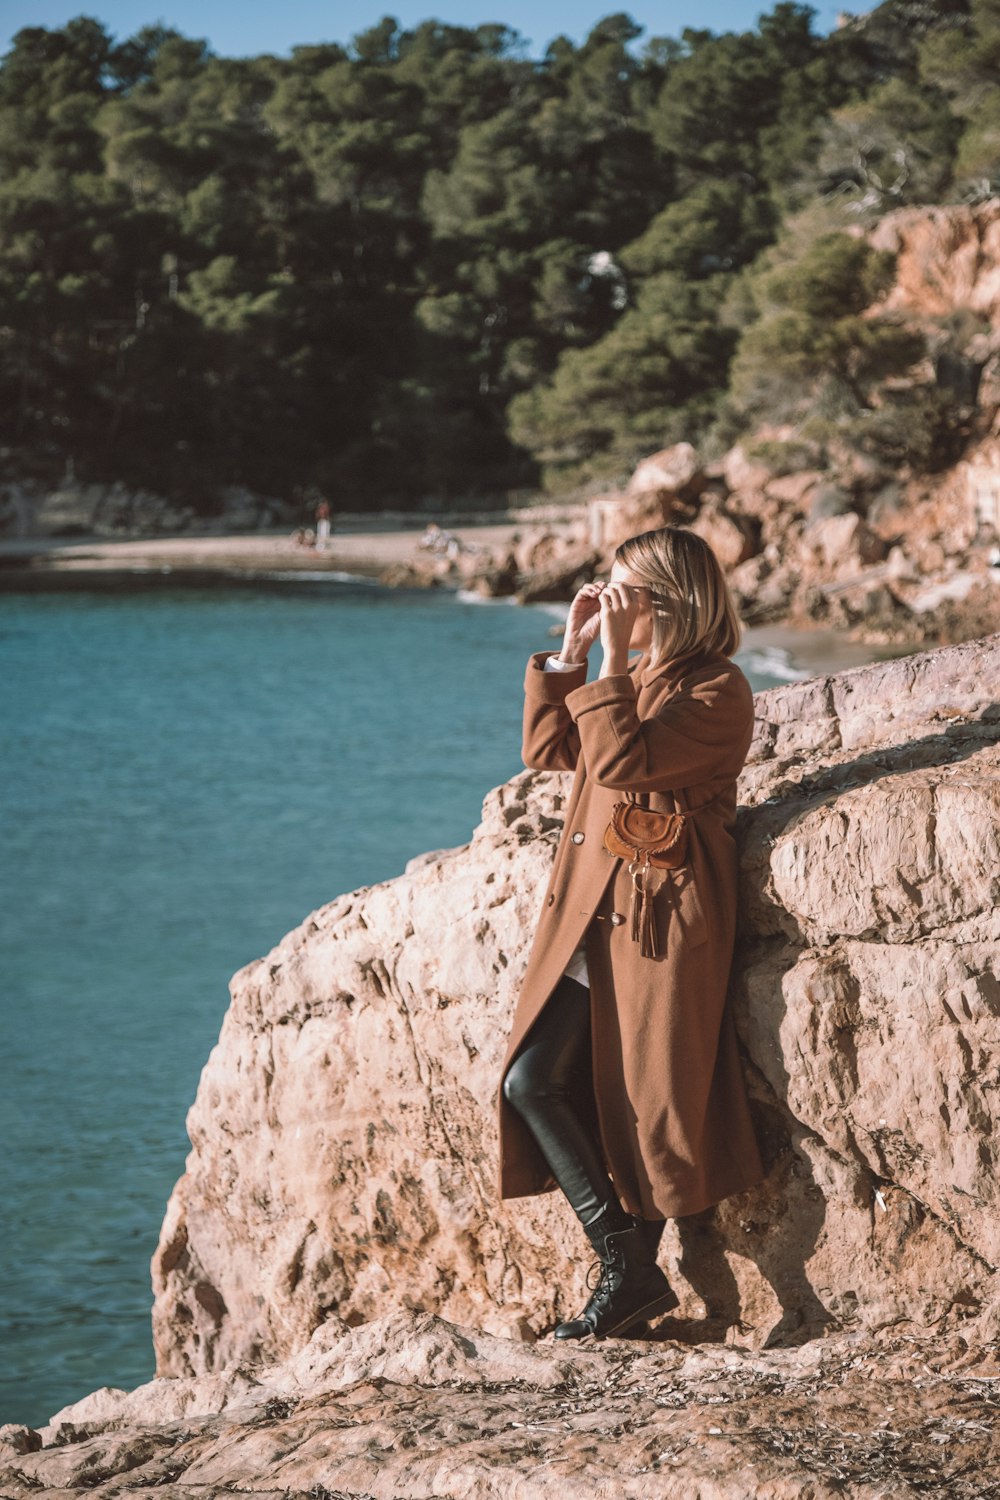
{"x":621,"y":1083}
{"x":432,"y":538}
{"x":436,"y":539}
{"x":322,"y":525}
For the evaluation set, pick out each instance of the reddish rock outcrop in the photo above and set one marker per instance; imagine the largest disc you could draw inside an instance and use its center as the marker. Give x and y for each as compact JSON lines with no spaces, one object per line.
{"x":947,"y":258}
{"x":731,"y":536}
{"x":673,"y":473}
{"x":411,"y":1405}
{"x":839,"y":1329}
{"x":343,"y":1149}
{"x":760,"y":519}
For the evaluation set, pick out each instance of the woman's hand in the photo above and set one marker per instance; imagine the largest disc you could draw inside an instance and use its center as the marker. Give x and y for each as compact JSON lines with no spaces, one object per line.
{"x":619,"y":604}
{"x":583,"y":623}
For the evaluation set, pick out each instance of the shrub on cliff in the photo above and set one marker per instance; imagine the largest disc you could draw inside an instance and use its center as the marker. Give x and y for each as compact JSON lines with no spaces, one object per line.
{"x":653,"y":380}
{"x":961,"y":60}
{"x":814,"y":357}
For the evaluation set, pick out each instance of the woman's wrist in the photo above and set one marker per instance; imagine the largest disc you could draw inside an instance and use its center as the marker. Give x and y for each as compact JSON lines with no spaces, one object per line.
{"x":572,"y":653}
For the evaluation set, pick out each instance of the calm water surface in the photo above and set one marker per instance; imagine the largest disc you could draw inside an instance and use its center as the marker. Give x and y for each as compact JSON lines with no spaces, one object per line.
{"x":188,"y":772}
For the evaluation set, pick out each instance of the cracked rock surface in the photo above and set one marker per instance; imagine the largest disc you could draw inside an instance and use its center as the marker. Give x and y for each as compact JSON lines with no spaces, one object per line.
{"x":410,"y":1407}
{"x":344,"y":1307}
{"x":343,"y":1153}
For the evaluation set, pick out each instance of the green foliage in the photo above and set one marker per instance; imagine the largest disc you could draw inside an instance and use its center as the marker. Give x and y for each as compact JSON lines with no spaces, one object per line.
{"x":652,"y":380}
{"x":915,"y":427}
{"x":895,"y":146}
{"x":728,"y":100}
{"x":811,"y":342}
{"x":790,"y":456}
{"x":818,"y":356}
{"x":717,"y":226}
{"x":962,"y":60}
{"x":427,"y":262}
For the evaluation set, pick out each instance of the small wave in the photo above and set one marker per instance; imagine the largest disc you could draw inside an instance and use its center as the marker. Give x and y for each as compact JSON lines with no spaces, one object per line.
{"x":771,"y":661}
{"x":549,"y":607}
{"x":469,"y":596}
{"x":308,"y":576}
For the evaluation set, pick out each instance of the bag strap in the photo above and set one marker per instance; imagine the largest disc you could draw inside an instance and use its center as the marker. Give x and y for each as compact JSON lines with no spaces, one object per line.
{"x":687,"y":812}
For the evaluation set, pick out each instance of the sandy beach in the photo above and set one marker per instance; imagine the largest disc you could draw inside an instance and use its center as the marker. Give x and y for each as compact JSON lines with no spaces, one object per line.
{"x":51,"y":562}
{"x":365,"y":553}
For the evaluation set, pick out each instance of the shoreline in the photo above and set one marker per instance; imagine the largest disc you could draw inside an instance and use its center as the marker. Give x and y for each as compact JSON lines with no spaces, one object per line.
{"x":386,"y":553}
{"x":366,"y":553}
{"x":55,"y":564}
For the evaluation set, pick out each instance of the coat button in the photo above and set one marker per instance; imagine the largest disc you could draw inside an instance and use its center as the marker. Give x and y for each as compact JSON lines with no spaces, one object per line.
{"x":578,"y":838}
{"x":551,"y":899}
{"x":617,"y":918}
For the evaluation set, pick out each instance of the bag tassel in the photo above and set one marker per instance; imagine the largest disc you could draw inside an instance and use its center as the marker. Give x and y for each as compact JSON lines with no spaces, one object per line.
{"x":643,"y":922}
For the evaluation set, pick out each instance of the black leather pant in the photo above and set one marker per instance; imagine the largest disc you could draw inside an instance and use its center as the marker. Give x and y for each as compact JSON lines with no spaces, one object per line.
{"x":550,"y":1084}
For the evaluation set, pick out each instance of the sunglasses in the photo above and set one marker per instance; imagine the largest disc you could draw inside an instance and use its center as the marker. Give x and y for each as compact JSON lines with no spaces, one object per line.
{"x":632,"y":588}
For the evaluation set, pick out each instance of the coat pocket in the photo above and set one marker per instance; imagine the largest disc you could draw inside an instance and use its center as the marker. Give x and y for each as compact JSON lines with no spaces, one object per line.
{"x":685,"y":907}
{"x":677,"y":909}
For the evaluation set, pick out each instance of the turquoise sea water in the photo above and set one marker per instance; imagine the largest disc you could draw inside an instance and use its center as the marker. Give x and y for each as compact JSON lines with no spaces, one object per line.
{"x":188,"y":772}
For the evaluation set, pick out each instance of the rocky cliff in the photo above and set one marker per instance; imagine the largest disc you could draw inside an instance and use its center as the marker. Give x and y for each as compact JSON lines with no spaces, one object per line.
{"x":412,"y":1407}
{"x":343,"y":1148}
{"x":336,"y":1280}
{"x":828,"y":534}
{"x":947,"y":261}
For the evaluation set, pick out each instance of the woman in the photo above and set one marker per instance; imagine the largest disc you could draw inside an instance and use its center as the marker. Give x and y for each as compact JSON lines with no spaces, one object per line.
{"x":621,"y":1084}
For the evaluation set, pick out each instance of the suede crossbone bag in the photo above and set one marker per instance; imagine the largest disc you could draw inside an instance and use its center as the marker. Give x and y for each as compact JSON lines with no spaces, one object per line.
{"x":649,"y":841}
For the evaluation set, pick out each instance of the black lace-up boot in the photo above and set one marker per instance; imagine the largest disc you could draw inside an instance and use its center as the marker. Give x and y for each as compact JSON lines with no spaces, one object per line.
{"x":652,"y":1232}
{"x":631,"y":1287}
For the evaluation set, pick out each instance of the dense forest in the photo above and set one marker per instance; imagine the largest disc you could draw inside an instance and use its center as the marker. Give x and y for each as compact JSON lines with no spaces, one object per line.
{"x":428,"y":264}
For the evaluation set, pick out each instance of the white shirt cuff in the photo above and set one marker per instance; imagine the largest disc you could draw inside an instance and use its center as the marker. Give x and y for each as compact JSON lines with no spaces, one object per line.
{"x":555,"y":664}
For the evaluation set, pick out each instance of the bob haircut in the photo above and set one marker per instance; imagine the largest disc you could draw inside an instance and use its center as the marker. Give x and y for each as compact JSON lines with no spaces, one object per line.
{"x":693,"y":606}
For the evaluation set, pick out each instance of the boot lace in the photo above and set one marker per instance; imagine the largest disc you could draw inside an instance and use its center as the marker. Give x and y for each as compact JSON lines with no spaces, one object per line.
{"x":602,"y":1290}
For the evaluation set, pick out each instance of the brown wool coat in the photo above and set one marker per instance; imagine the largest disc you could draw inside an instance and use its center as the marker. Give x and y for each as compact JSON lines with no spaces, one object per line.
{"x":674,"y":1120}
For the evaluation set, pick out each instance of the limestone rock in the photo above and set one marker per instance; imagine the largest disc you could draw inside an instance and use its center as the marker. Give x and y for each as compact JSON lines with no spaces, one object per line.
{"x":343,"y":1134}
{"x":424,"y":572}
{"x":947,"y":258}
{"x":495,"y":579}
{"x":742,"y":472}
{"x":731,"y":537}
{"x":868,"y":599}
{"x":673,"y":471}
{"x":842,"y":541}
{"x":829,"y":500}
{"x":560,"y":581}
{"x":16,"y":1439}
{"x":622,"y":516}
{"x":356,"y":1171}
{"x":794,"y":489}
{"x":413,"y":1405}
{"x":545,"y":547}
{"x":763,"y":589}
{"x":343,"y":1306}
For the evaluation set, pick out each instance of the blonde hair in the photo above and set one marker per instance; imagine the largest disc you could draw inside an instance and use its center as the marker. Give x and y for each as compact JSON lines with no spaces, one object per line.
{"x":693,"y":606}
